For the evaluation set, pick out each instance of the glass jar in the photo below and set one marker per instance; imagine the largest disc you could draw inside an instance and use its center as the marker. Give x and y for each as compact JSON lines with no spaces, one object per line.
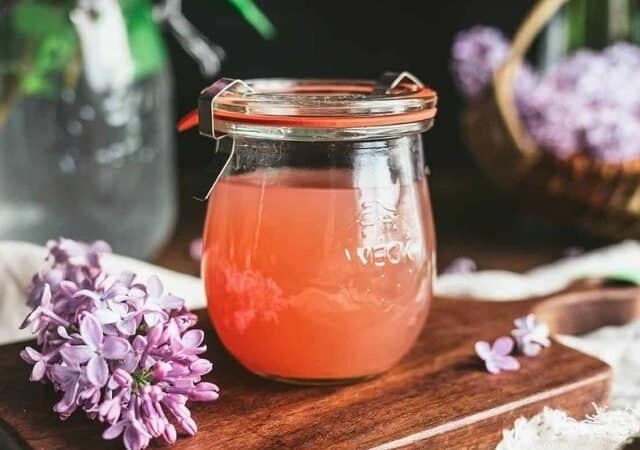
{"x":86,"y":144}
{"x":319,"y":249}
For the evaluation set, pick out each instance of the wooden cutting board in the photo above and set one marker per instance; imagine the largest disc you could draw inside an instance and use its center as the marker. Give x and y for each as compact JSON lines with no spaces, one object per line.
{"x":438,"y":397}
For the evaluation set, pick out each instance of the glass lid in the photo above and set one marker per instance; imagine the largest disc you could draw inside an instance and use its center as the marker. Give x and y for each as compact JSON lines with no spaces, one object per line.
{"x":314,"y":109}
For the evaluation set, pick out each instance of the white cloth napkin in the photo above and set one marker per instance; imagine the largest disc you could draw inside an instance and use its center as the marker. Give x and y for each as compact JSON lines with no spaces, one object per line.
{"x":503,"y":285}
{"x":618,"y":346}
{"x":19,"y":261}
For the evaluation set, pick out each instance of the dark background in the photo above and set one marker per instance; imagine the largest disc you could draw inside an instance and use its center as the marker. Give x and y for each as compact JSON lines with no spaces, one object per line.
{"x":363,"y":38}
{"x":342,"y":38}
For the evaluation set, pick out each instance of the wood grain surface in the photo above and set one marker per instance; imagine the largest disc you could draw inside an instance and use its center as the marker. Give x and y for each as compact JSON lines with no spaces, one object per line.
{"x":438,"y":397}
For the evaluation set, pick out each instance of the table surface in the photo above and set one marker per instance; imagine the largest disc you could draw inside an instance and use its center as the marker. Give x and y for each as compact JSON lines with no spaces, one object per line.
{"x":438,"y":396}
{"x":472,"y":220}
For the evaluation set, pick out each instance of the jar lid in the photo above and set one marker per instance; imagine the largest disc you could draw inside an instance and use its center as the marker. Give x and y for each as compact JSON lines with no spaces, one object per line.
{"x":314,"y":109}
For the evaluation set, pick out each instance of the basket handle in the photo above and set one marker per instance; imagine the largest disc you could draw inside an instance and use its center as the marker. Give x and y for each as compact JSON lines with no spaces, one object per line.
{"x":539,"y":16}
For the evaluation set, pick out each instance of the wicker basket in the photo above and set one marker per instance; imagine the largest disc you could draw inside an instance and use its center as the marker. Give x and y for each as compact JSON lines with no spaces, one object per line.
{"x":602,"y":199}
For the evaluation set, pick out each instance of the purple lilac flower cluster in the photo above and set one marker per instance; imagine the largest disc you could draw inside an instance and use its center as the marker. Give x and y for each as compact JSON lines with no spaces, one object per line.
{"x":588,"y":103}
{"x":476,"y":55}
{"x":124,"y":352}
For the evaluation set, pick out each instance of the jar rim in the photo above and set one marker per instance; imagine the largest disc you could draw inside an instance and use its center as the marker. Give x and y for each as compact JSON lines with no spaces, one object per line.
{"x":316,"y":104}
{"x":326,"y":103}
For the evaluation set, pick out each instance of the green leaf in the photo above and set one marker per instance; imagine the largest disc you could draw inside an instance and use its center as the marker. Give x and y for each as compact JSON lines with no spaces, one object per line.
{"x":53,"y":55}
{"x":39,"y":20}
{"x":252,"y":14}
{"x":145,"y":40}
{"x":55,"y":41}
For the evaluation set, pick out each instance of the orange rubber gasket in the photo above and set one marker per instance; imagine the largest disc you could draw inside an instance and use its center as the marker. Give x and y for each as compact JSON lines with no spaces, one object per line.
{"x":325,"y":122}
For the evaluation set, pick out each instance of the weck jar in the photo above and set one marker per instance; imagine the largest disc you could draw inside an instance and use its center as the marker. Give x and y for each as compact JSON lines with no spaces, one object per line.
{"x":319,"y":248}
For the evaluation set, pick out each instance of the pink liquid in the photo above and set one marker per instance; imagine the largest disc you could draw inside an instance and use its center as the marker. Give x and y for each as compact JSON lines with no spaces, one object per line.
{"x":308,"y":278}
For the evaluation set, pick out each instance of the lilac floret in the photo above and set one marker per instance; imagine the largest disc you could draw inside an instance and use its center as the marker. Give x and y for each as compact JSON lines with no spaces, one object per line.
{"x":623,"y":53}
{"x":477,"y":53}
{"x":551,"y":120}
{"x":461,"y":265}
{"x":614,"y":137}
{"x":497,"y":356}
{"x":531,"y":335}
{"x":124,"y":352}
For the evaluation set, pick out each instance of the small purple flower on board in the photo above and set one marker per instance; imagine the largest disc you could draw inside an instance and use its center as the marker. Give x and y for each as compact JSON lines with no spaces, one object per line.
{"x":195,"y":249}
{"x":530,"y":335}
{"x":497,"y":357}
{"x":461,"y":265}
